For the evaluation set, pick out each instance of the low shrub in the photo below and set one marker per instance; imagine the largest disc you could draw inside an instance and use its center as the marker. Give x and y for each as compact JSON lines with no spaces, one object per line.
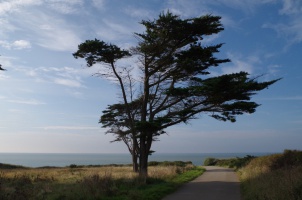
{"x":210,"y":162}
{"x":235,"y":163}
{"x":170,"y":163}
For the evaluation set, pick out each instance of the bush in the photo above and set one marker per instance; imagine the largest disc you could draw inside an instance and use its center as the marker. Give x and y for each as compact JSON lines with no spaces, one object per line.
{"x":288,"y":159}
{"x":230,"y":162}
{"x":210,"y":161}
{"x":170,"y":163}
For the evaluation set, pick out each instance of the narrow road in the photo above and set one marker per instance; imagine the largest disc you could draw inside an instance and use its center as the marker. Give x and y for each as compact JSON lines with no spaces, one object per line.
{"x":217,"y":183}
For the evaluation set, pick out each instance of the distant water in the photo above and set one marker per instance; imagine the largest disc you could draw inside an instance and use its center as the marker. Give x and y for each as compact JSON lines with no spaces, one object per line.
{"x":62,"y":160}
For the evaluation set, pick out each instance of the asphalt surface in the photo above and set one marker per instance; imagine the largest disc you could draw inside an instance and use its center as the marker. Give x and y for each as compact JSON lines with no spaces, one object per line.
{"x":217,"y":183}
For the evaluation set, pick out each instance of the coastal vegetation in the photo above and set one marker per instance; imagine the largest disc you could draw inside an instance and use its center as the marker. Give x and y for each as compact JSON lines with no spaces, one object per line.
{"x":272,"y":177}
{"x":94,"y":182}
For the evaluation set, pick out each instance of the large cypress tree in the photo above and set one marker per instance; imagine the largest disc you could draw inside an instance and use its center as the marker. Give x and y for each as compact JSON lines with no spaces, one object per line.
{"x":171,"y":82}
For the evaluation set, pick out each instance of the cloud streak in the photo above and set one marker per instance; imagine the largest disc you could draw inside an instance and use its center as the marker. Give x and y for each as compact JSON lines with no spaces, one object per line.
{"x":27,"y":102}
{"x":69,"y":128}
{"x":67,"y":82}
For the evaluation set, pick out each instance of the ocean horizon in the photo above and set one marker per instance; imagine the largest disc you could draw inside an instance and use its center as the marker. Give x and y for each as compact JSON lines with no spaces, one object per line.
{"x":66,"y":159}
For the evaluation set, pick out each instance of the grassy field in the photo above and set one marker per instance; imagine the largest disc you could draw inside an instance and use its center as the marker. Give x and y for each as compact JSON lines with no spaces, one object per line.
{"x":102,"y":182}
{"x":274,"y":177}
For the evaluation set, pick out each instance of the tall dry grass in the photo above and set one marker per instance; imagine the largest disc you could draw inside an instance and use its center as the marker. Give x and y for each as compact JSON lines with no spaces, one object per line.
{"x":76,"y":183}
{"x":275,"y":177}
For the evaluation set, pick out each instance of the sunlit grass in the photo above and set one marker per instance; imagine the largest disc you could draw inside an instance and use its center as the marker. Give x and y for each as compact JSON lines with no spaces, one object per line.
{"x":104,"y":182}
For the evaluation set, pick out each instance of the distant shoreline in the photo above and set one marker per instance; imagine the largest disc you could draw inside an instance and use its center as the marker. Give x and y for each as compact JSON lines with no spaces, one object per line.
{"x":66,"y":159}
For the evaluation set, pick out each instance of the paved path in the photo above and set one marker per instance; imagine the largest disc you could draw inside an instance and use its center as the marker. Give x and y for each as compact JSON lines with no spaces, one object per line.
{"x":216,"y":183}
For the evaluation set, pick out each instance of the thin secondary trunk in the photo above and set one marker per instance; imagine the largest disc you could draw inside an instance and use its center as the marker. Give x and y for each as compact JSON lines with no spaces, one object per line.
{"x":135,"y":156}
{"x":134,"y":163}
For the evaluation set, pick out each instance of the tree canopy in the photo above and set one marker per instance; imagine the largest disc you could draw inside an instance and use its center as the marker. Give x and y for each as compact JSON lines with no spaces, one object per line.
{"x":171,"y":83}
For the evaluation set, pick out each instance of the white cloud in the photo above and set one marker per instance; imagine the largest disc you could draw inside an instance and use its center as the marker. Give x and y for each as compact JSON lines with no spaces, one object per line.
{"x":67,"y":82}
{"x":18,"y":44}
{"x":21,"y":44}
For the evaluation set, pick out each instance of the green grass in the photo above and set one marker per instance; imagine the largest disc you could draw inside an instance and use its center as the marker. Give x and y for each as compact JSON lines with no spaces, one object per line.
{"x":93,"y":182}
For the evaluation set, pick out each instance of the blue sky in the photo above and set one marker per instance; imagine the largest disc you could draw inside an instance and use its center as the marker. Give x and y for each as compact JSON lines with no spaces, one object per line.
{"x":51,"y":102}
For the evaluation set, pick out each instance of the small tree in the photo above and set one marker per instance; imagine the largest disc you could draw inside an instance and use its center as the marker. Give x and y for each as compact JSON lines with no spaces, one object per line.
{"x":173,"y":85}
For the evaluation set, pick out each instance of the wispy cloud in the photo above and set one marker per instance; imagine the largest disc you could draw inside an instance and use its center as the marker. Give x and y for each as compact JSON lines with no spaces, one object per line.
{"x":242,"y":5}
{"x":65,"y":6}
{"x":67,"y":82}
{"x":14,"y":5}
{"x":57,"y":36}
{"x":138,"y":12}
{"x":28,"y":102}
{"x":44,"y":28}
{"x":188,"y":8}
{"x":98,"y":3}
{"x":291,"y":7}
{"x":66,"y":76}
{"x":291,"y":98}
{"x":114,"y":31}
{"x":69,"y":128}
{"x":291,"y":30}
{"x":239,"y":64}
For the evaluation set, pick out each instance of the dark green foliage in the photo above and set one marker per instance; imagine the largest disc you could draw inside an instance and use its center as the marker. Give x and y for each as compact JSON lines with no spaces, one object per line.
{"x":95,"y":51}
{"x":175,"y":84}
{"x":9,"y":166}
{"x":235,"y":163}
{"x":210,"y":162}
{"x":170,"y":163}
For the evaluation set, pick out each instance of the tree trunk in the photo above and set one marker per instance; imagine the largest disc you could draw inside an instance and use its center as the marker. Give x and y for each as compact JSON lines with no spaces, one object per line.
{"x":143,"y":164}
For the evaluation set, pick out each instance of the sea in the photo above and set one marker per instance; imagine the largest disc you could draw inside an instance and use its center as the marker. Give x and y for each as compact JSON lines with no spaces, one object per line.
{"x":67,"y":159}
